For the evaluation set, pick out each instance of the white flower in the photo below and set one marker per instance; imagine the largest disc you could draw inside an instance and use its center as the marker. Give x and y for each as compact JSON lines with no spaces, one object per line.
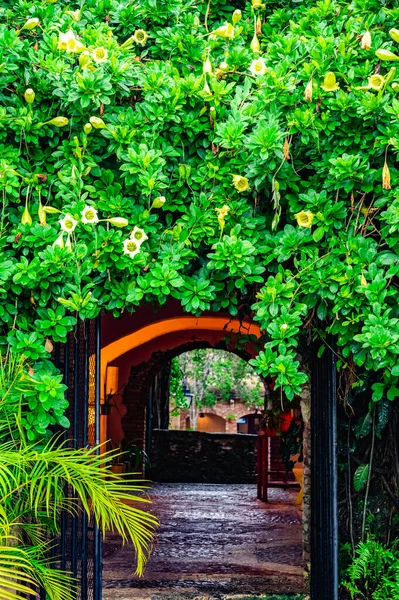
{"x":89,"y":215}
{"x":68,"y":42}
{"x":258,"y":67}
{"x":138,"y":235}
{"x":68,"y":223}
{"x":131,"y":247}
{"x":100,"y":55}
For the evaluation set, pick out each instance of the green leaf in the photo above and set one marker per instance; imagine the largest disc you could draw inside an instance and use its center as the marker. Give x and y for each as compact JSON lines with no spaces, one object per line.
{"x":360,"y":477}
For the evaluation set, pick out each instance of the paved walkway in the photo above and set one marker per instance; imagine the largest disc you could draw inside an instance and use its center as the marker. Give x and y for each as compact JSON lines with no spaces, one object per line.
{"x":215,"y":542}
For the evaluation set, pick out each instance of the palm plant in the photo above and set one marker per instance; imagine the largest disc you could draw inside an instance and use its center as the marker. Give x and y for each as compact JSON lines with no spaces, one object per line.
{"x":33,"y":482}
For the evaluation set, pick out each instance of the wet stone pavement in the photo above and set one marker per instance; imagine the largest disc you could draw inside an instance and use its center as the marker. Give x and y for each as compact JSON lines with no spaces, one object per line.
{"x":215,"y":542}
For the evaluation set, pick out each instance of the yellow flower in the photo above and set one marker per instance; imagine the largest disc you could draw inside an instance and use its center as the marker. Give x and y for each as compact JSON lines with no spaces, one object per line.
{"x":224,"y":31}
{"x":305,"y":218}
{"x":394,"y":33}
{"x":258,"y":67}
{"x":376,"y":82}
{"x":386,"y":55}
{"x":255,"y":45}
{"x":68,"y":42}
{"x":75,"y":14}
{"x":29,"y":96}
{"x":100,"y":55}
{"x":84,"y":59}
{"x":89,"y":215}
{"x":68,"y":223}
{"x":237,"y":15}
{"x":240,"y":183}
{"x":87,"y":128}
{"x":140,"y":37}
{"x":309,"y":91}
{"x":138,"y":235}
{"x":222,"y":214}
{"x":130,"y":247}
{"x":366,"y":41}
{"x":257,"y":4}
{"x":386,"y":177}
{"x":330,"y":83}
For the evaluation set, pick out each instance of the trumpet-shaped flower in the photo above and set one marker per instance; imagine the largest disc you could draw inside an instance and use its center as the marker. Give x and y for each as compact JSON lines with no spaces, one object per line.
{"x":376,"y":82}
{"x":89,"y":215}
{"x":237,"y":16}
{"x":305,"y":218}
{"x":84,"y":59}
{"x":207,"y":66}
{"x":68,"y":223}
{"x":258,"y":67}
{"x":224,"y":31}
{"x":100,"y":55}
{"x":138,"y":235}
{"x":240,"y":183}
{"x":330,"y":82}
{"x":222,"y":214}
{"x":68,"y":42}
{"x":131,"y":247}
{"x":26,"y":218}
{"x":140,"y":37}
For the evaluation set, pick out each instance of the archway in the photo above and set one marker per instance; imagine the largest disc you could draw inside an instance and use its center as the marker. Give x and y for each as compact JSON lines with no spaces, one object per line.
{"x":145,"y":347}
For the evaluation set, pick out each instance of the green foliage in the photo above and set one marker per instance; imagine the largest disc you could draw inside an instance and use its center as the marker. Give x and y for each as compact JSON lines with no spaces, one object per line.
{"x":120,"y":119}
{"x":373,"y":572}
{"x":33,"y":482}
{"x":213,"y":374}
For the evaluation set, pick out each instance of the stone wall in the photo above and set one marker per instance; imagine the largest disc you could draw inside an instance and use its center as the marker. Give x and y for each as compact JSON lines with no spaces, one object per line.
{"x":199,"y":457}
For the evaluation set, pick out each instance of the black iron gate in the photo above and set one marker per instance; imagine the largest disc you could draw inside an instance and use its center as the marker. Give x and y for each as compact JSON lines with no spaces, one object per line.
{"x":80,"y":543}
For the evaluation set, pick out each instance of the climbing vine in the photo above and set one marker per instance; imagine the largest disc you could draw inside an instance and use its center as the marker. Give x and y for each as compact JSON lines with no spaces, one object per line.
{"x":234,"y":158}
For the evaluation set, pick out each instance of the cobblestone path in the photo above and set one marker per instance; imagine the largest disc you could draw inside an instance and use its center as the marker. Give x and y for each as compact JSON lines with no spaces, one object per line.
{"x":215,"y":542}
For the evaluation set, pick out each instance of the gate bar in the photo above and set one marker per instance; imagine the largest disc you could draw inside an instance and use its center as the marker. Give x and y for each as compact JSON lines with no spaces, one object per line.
{"x":324,"y":475}
{"x":98,"y":550}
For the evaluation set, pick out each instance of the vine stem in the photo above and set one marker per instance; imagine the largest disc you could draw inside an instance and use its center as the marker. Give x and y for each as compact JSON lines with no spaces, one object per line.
{"x":366,"y":497}
{"x":208,"y":10}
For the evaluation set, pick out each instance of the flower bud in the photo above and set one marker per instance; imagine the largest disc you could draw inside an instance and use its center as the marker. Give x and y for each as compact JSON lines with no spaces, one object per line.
{"x":51,"y":210}
{"x":386,"y":177}
{"x":395,"y":86}
{"x":389,"y":76}
{"x":366,"y":41}
{"x":207,"y":66}
{"x":394,"y":33}
{"x":309,"y":91}
{"x":59,"y":241}
{"x":158,"y":202}
{"x":29,"y":96}
{"x":97,"y":123}
{"x":237,"y":15}
{"x":84,"y":59}
{"x":224,"y":66}
{"x":87,"y":128}
{"x":30,"y":24}
{"x":58,"y":121}
{"x":42,"y":214}
{"x":255,"y":46}
{"x":258,"y":26}
{"x":118,"y":221}
{"x":283,"y":327}
{"x":26,"y":218}
{"x":386,"y":55}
